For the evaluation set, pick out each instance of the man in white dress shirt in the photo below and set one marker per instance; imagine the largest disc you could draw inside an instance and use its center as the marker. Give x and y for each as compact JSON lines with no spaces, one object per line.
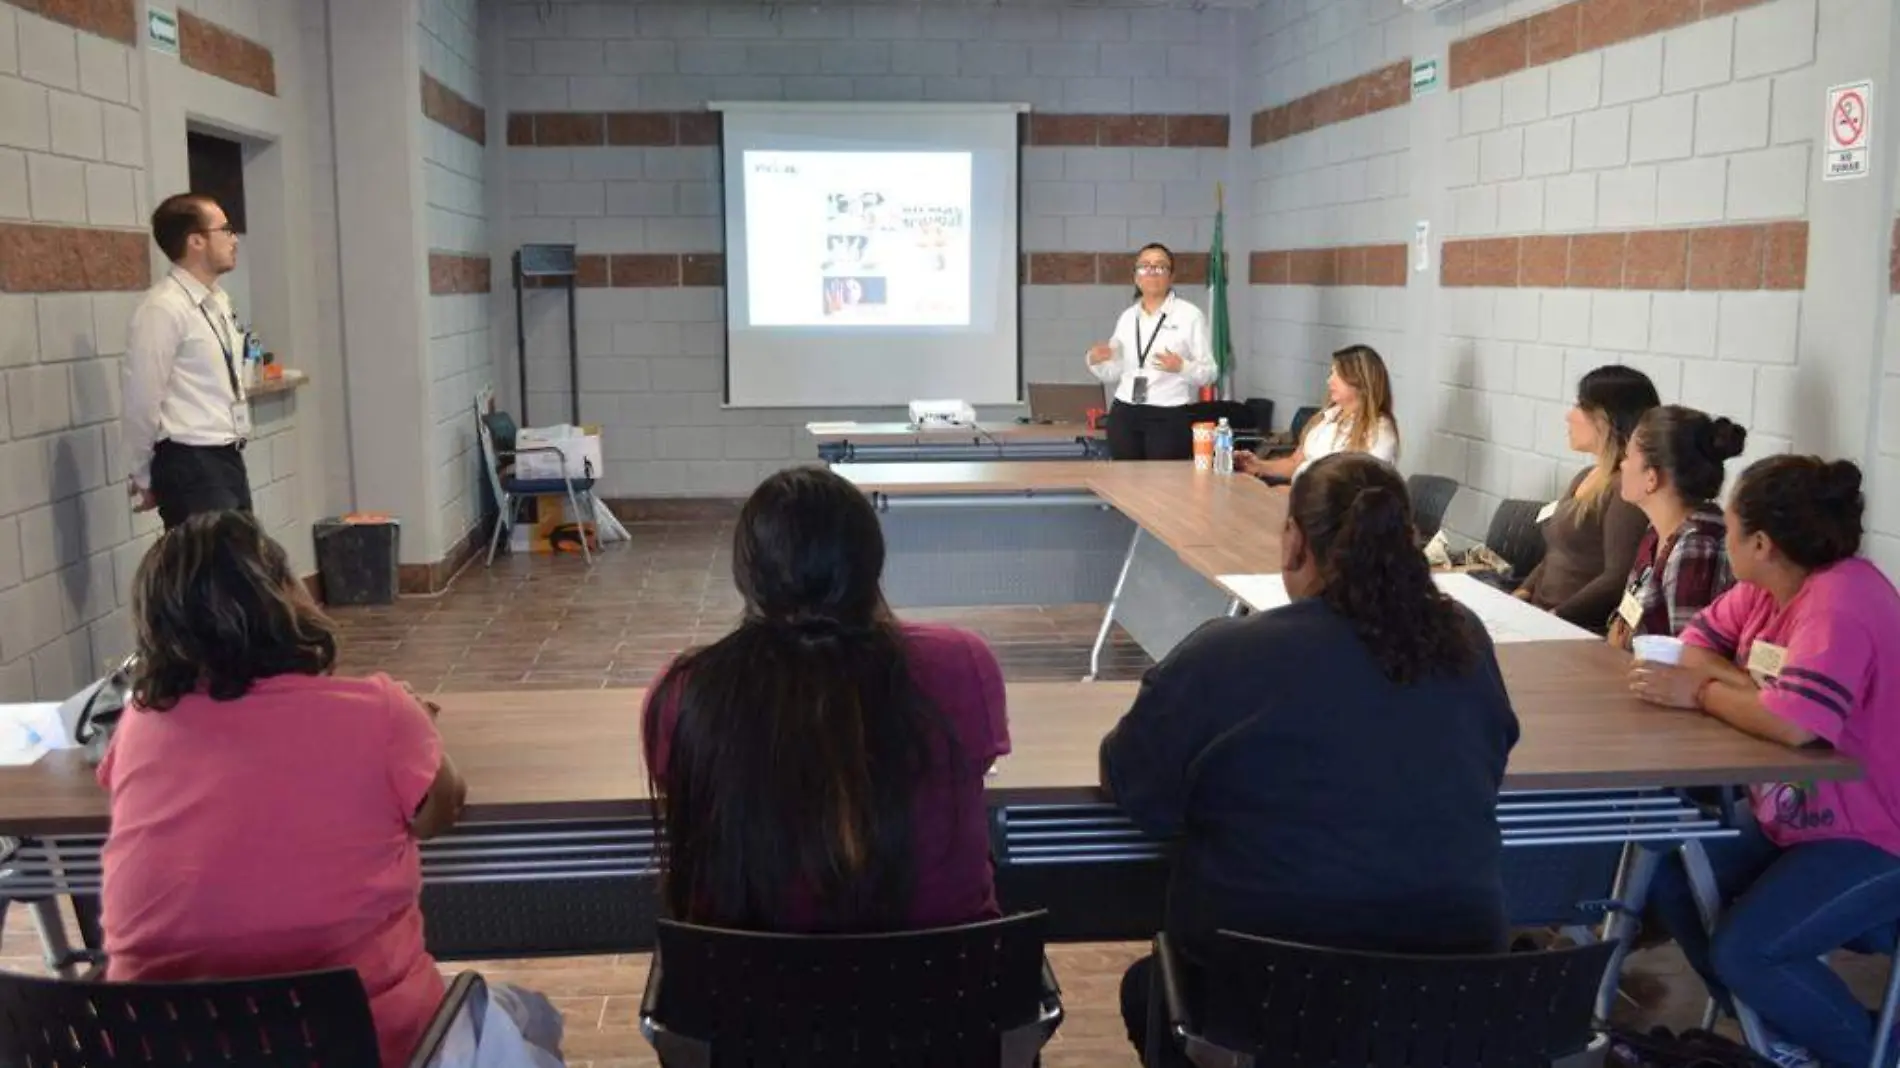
{"x":186,"y":414}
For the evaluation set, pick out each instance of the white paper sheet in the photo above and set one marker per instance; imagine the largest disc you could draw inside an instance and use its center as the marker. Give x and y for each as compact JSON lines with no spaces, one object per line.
{"x":824,"y":429}
{"x":28,"y":732}
{"x":1506,"y":618}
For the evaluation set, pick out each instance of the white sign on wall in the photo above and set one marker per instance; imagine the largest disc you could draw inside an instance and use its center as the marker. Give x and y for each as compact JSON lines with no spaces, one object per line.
{"x":1849,"y":131}
{"x":162,"y":27}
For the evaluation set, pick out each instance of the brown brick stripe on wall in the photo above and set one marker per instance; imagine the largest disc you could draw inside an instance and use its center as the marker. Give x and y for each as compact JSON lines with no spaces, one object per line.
{"x":208,"y":47}
{"x":1385,"y":88}
{"x":72,"y":259}
{"x":646,"y":270}
{"x":1769,"y":256}
{"x":581,"y":129}
{"x":1103,"y":268}
{"x":117,"y":19}
{"x":1127,"y":131}
{"x":1353,"y":265}
{"x":1579,"y":26}
{"x":452,"y":109}
{"x":458,"y":272}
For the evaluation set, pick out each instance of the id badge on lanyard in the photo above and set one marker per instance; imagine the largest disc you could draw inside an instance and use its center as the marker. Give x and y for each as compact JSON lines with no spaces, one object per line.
{"x":1138,"y":391}
{"x":240,"y":405}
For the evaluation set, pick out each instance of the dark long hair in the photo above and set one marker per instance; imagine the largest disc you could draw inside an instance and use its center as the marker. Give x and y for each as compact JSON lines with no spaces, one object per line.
{"x":1809,"y":507}
{"x":1690,"y":448}
{"x":216,"y":608}
{"x":801,"y":736}
{"x":1357,"y":518}
{"x":1620,"y":396}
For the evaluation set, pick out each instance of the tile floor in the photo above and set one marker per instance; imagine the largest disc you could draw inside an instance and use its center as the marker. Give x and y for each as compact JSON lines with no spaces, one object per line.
{"x":540,"y":623}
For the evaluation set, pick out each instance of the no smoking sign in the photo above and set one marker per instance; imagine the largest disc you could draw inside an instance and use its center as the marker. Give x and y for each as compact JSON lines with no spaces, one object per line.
{"x":1849,"y":131}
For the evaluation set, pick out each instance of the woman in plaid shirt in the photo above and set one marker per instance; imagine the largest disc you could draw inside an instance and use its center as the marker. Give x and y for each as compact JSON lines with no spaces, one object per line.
{"x":1673,"y":470}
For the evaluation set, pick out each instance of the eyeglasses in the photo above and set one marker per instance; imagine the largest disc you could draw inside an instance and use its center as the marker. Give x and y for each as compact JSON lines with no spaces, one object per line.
{"x":1152,"y":268}
{"x":227,"y":230}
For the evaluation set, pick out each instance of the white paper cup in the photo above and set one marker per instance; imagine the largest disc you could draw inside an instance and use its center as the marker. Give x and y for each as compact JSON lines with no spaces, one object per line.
{"x":1657,"y":648}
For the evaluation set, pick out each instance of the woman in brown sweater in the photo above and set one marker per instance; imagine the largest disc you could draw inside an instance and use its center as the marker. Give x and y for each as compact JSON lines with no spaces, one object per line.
{"x":1591,"y":533}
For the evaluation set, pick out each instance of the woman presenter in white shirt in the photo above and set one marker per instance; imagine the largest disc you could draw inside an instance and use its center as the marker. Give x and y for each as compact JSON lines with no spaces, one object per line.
{"x":1358,"y":418}
{"x":1158,"y":359}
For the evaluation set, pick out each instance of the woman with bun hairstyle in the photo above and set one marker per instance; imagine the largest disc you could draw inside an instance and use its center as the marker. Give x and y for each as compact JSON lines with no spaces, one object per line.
{"x":1591,"y":533}
{"x":1329,"y":769}
{"x":1672,"y":470}
{"x":1804,"y":651}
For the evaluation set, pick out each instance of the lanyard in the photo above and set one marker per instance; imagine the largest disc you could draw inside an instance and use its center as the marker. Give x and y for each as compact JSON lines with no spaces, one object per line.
{"x":230,"y":365}
{"x":1141,"y":350}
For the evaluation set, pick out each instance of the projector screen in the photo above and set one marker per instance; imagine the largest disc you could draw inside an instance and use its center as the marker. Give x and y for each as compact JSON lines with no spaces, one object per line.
{"x":871,"y":254}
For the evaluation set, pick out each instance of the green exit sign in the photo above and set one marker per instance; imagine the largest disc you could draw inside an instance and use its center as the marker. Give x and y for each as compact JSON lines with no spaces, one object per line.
{"x":162,"y":27}
{"x":1424,"y":76}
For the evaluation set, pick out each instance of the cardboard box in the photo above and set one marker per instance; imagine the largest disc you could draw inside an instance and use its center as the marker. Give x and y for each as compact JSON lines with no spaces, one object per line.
{"x":579,"y":458}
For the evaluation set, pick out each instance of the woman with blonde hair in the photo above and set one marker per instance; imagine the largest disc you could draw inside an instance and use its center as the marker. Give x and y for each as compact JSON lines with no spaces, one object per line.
{"x":1358,"y":418}
{"x":1591,"y":533}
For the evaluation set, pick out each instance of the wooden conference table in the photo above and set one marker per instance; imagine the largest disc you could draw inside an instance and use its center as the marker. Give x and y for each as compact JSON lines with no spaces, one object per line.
{"x":555,"y":853}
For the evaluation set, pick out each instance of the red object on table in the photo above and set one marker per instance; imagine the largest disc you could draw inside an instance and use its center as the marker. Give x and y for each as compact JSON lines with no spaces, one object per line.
{"x":1095,"y":418}
{"x":1208,"y":394}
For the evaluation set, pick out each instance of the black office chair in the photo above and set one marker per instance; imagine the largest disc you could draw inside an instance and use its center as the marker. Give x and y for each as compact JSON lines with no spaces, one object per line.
{"x":1516,"y":536}
{"x":1431,"y":499}
{"x":1292,"y":1006}
{"x":1301,"y":417}
{"x":955,"y":997}
{"x":312,"y":1020}
{"x":1287,"y":444}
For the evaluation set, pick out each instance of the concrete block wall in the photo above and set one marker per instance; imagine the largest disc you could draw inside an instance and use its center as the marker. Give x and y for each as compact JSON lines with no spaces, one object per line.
{"x":1884,"y":476}
{"x":1650,"y":142}
{"x":1346,"y":184}
{"x":72,"y":156}
{"x":461,"y":350}
{"x":651,"y":358}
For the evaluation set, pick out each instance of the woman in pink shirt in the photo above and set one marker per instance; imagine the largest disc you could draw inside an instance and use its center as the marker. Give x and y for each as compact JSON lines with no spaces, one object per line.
{"x":821,"y":768}
{"x":265,"y":813}
{"x":1804,"y":651}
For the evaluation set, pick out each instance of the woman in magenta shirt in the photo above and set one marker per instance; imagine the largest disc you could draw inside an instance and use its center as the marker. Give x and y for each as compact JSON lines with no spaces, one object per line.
{"x":265,"y":813}
{"x":821,"y":768}
{"x":1804,"y":651}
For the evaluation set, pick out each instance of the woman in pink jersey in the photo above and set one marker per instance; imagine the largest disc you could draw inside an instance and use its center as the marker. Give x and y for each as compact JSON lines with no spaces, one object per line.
{"x":1804,"y":651}
{"x":266,"y":813}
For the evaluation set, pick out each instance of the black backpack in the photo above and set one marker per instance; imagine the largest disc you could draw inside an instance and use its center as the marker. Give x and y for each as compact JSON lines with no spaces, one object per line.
{"x":1658,"y":1048}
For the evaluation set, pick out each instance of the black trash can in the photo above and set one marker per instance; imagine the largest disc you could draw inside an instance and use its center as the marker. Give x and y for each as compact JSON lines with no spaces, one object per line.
{"x":357,"y":555}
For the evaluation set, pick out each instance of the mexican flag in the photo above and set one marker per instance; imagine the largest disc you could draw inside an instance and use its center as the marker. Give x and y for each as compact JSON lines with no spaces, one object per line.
{"x":1220,"y":328}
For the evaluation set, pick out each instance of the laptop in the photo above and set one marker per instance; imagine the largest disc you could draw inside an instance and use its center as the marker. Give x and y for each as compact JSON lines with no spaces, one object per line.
{"x":1051,"y":402}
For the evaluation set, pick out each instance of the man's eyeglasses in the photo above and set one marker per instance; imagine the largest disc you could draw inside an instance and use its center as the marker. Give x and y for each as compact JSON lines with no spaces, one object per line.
{"x":227,"y":230}
{"x":1152,"y":268}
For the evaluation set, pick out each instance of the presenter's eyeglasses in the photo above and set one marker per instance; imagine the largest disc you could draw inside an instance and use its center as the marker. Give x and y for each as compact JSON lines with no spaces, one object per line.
{"x":1152,"y":268}
{"x":227,"y":230}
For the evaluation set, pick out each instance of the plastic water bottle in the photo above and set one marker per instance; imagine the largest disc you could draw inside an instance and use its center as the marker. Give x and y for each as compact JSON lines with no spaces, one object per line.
{"x":1223,"y":448}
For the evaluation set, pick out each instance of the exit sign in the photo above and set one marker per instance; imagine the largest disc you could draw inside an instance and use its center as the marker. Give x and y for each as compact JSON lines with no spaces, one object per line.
{"x":162,"y":27}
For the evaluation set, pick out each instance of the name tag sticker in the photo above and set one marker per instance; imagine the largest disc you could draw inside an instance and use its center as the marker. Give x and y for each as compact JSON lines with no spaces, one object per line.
{"x":1765,"y":660}
{"x":241,"y":418}
{"x":1631,"y":610}
{"x":1543,"y":516}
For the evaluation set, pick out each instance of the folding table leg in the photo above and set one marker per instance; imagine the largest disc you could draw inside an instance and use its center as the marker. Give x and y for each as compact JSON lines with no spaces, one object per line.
{"x":1634,"y":874}
{"x":1708,"y":902}
{"x":1108,"y":617}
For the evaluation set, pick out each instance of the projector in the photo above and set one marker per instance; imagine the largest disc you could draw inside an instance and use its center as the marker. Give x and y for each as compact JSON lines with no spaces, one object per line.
{"x":928,"y":414}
